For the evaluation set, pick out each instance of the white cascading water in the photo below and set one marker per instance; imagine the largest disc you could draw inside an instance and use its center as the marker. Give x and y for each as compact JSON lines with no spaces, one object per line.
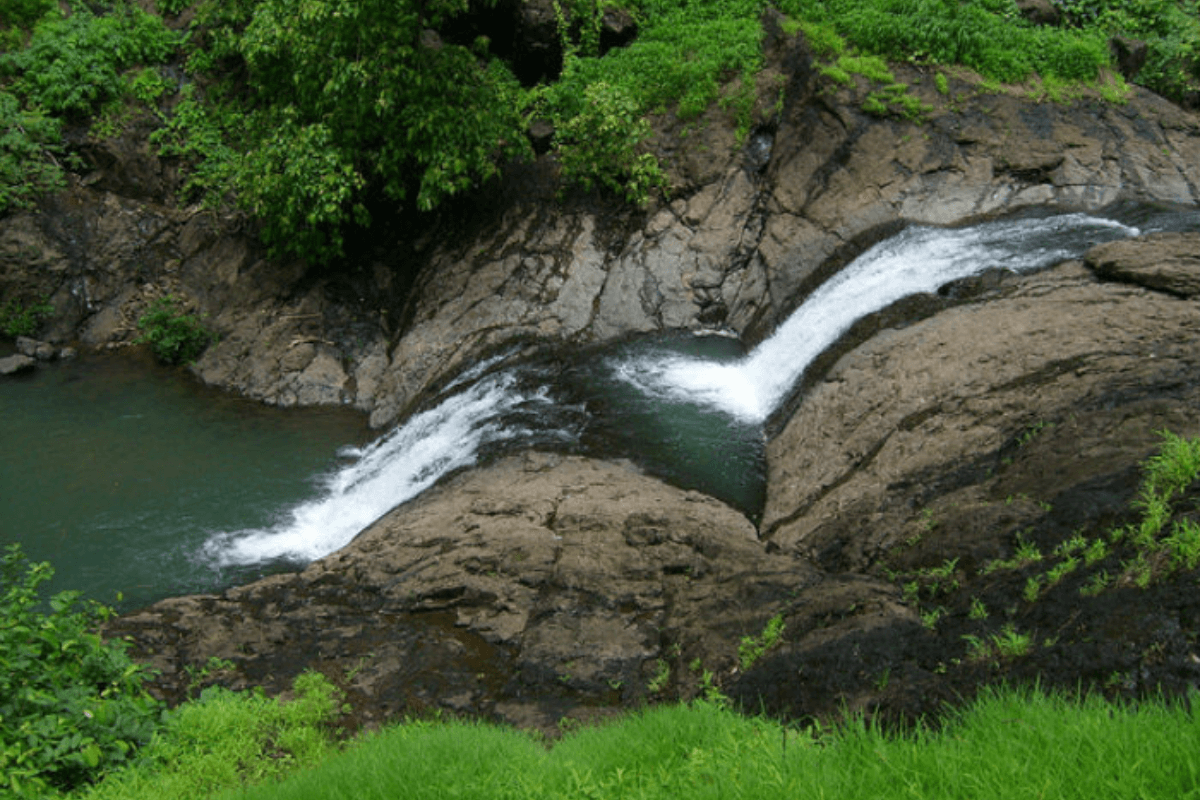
{"x":411,"y":458}
{"x":392,"y":469}
{"x":919,"y":259}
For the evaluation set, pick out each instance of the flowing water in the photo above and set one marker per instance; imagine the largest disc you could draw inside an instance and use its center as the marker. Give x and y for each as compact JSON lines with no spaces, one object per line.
{"x":688,"y":408}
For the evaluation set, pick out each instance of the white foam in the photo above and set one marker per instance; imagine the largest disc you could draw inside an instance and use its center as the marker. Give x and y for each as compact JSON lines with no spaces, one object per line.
{"x":395,"y":468}
{"x":919,"y":259}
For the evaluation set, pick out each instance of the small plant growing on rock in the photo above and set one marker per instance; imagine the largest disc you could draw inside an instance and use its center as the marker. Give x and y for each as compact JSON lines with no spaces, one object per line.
{"x":752,"y":648}
{"x":175,"y":337}
{"x":662,"y":675}
{"x":978,"y":609}
{"x":18,"y":319}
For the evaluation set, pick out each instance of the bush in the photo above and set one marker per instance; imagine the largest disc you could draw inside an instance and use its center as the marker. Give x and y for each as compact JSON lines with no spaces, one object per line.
{"x":17,"y":319}
{"x":72,"y":706}
{"x":72,"y":64}
{"x":29,"y":143}
{"x":599,"y":146}
{"x":225,"y":740}
{"x":175,"y":337}
{"x":68,"y":68}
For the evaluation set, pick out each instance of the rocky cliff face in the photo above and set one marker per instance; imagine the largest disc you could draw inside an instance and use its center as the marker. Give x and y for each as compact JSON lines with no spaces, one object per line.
{"x":545,"y":586}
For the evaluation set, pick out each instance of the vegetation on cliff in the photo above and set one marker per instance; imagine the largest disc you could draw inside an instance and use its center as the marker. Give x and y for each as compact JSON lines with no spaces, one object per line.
{"x":315,"y":117}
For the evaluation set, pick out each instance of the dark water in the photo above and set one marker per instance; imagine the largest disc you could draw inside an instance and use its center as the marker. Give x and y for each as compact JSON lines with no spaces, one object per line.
{"x":116,"y":471}
{"x":690,"y":445}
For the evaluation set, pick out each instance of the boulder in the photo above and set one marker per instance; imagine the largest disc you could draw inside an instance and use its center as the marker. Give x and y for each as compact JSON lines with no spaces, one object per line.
{"x":922,"y":411}
{"x":1040,"y":12}
{"x":33,"y":348}
{"x":1168,"y":262}
{"x":16,"y":364}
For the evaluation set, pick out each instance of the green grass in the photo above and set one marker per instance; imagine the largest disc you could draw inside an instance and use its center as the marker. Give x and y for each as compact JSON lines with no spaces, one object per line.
{"x":1007,"y":744}
{"x":228,"y":739}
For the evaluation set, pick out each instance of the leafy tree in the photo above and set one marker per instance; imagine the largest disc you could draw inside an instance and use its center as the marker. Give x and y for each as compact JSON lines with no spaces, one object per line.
{"x":345,"y":100}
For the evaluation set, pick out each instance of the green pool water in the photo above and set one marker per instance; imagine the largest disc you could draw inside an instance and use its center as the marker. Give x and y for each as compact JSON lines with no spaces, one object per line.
{"x":117,"y":471}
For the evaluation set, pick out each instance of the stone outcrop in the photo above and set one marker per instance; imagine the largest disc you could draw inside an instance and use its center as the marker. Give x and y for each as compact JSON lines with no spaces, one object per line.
{"x":16,"y":364}
{"x":101,"y":260}
{"x":1168,"y":262}
{"x":546,"y":586}
{"x":749,"y":228}
{"x":904,"y":416}
{"x":535,"y":587}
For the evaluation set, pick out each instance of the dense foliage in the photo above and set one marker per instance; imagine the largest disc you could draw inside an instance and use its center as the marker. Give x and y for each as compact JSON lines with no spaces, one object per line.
{"x":57,"y":68}
{"x":344,"y":100}
{"x":315,"y":116}
{"x":72,"y":707}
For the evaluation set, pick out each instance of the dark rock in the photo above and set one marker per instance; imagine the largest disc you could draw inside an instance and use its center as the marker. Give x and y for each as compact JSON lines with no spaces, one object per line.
{"x":541,"y":135}
{"x":42,"y":351}
{"x":1040,"y":12}
{"x":430,"y":40}
{"x":1130,"y":55}
{"x":537,"y":50}
{"x":617,"y":29}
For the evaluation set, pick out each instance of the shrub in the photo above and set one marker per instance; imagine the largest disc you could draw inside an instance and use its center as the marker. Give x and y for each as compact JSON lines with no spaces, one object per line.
{"x":72,"y":64}
{"x":72,"y":706}
{"x":225,"y":740}
{"x":175,"y":337}
{"x":29,"y":142}
{"x":598,"y":147}
{"x":17,"y":319}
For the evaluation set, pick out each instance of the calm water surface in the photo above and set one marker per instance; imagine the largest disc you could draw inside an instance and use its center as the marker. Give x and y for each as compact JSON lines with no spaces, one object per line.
{"x":116,"y":471}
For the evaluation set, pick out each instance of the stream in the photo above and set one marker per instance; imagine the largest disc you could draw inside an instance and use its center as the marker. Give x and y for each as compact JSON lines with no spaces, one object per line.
{"x":284,"y":488}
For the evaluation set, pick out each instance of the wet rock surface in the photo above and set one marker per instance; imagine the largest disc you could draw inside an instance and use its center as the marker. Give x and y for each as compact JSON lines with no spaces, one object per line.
{"x":537,"y":587}
{"x":901,"y":495}
{"x":1169,"y":262}
{"x":16,"y":364}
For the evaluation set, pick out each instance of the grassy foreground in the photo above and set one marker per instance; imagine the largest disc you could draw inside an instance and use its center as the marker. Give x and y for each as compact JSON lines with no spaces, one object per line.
{"x":1008,"y":744}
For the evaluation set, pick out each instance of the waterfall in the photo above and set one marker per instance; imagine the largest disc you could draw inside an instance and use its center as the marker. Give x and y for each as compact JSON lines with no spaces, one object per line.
{"x":394,"y":468}
{"x":919,"y":259}
{"x":494,"y":404}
